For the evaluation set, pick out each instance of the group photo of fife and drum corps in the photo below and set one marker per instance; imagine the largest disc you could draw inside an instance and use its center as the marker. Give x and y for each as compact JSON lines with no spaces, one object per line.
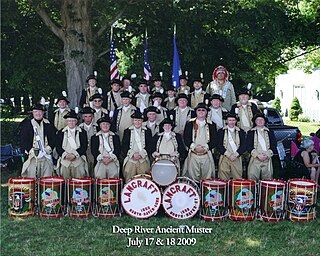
{"x":127,"y":145}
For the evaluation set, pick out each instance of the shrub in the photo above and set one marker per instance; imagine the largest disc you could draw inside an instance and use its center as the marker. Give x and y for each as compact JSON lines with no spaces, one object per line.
{"x":304,"y":119}
{"x":277,"y":104}
{"x":295,"y":109}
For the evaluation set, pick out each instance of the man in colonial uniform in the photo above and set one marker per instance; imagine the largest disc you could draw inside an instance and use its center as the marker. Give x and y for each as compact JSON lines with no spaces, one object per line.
{"x":169,"y":102}
{"x":261,"y":144}
{"x":72,"y":145}
{"x":142,"y":99}
{"x":121,"y":119}
{"x":151,"y":113}
{"x":113,"y":96}
{"x":137,"y":145}
{"x":157,"y":81}
{"x":58,"y":121}
{"x":245,"y":110}
{"x":198,"y":95}
{"x":169,"y":143}
{"x":157,"y":99}
{"x":88,"y":92}
{"x":222,"y":86}
{"x":199,"y":137}
{"x":184,"y":88}
{"x":91,"y":129}
{"x":231,"y":145}
{"x":217,"y":113}
{"x":37,"y":143}
{"x":127,"y":85}
{"x":97,"y":100}
{"x":106,"y":148}
{"x":181,"y":114}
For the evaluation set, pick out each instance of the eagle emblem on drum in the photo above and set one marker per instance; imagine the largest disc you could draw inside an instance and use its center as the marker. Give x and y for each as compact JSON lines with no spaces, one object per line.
{"x":19,"y":200}
{"x":49,"y":199}
{"x":213,"y":201}
{"x":79,"y":197}
{"x":106,"y":199}
{"x":244,"y":200}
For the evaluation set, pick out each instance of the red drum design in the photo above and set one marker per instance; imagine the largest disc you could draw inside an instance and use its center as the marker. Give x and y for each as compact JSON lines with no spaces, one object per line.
{"x":181,"y":199}
{"x":164,"y":171}
{"x":80,"y":197}
{"x":108,"y":197}
{"x":272,"y":200}
{"x":141,"y":197}
{"x":242,"y":199}
{"x":21,"y":195}
{"x":51,"y":199}
{"x":214,"y":194}
{"x":302,"y":196}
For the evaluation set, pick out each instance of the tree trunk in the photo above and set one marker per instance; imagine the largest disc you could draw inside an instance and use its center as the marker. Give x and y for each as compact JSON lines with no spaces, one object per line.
{"x":78,"y":46}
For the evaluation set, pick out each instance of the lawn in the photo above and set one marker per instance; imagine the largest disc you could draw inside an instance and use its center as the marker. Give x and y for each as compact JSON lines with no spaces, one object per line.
{"x":305,"y":127}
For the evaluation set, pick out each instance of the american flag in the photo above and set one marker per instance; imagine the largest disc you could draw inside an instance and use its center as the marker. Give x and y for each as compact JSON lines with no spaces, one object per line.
{"x":146,"y":66}
{"x":114,"y":73}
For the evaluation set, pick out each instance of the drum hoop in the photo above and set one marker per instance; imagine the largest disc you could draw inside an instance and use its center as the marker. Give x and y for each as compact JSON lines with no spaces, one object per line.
{"x":77,"y":181}
{"x":307,"y":183}
{"x":22,"y":180}
{"x":52,"y":180}
{"x":207,"y":182}
{"x":107,"y":181}
{"x":242,"y":181}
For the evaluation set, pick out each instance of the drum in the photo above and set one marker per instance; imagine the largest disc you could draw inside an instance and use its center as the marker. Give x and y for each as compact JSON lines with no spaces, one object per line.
{"x":272,"y":200}
{"x":214,"y":195}
{"x":108,"y":197}
{"x":141,"y":197}
{"x":51,"y":199}
{"x":302,"y":196}
{"x":164,"y":171}
{"x":80,"y":197}
{"x":21,"y":195}
{"x":181,"y":199}
{"x":242,"y":199}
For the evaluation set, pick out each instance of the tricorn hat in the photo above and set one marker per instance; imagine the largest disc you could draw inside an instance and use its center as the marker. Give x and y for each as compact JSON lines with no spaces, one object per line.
{"x":87,"y":110}
{"x":71,"y":114}
{"x":103,"y":119}
{"x":137,"y":114}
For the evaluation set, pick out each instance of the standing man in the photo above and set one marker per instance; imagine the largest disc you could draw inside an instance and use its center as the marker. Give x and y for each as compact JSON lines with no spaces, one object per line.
{"x":72,"y":145}
{"x":181,"y":114}
{"x":137,"y":145}
{"x":199,"y":137}
{"x":113,"y":96}
{"x":99,"y":111}
{"x":261,"y":144}
{"x":157,"y":81}
{"x":217,"y":113}
{"x":157,"y":99}
{"x":222,"y":86}
{"x":127,"y":85}
{"x":184,"y":88}
{"x":198,"y":95}
{"x":90,"y":127}
{"x":245,"y":110}
{"x":37,"y":143}
{"x":89,"y":91}
{"x":142,"y":99}
{"x":58,"y":121}
{"x":151,"y":113}
{"x":231,"y":145}
{"x":170,"y":100}
{"x":106,"y":148}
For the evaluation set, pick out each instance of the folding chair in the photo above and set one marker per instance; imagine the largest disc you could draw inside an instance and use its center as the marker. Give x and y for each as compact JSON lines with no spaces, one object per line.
{"x":8,"y":155}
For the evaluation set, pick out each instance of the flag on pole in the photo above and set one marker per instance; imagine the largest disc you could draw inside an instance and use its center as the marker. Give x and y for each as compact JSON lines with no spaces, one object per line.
{"x":176,"y":68}
{"x":146,"y":67}
{"x":114,"y":73}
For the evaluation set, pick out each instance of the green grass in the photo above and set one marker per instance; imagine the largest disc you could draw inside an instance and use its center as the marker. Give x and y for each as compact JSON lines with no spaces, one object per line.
{"x":94,"y":236}
{"x":305,"y":127}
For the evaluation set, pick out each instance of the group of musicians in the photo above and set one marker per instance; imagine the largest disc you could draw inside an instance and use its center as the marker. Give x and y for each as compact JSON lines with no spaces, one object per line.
{"x":122,"y":132}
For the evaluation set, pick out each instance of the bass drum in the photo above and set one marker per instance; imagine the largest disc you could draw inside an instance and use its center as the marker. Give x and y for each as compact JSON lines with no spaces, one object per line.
{"x":164,"y":171}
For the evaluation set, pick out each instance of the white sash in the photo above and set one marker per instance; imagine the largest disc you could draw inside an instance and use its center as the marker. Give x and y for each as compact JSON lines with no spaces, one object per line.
{"x":137,"y":139}
{"x":232,"y":143}
{"x":262,"y":141}
{"x":106,"y":144}
{"x":72,"y":141}
{"x":216,"y":118}
{"x":244,"y":118}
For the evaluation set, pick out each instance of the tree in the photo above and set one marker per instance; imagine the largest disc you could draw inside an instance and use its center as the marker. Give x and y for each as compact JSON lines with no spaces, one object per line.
{"x":295,"y":109}
{"x":277,"y":104}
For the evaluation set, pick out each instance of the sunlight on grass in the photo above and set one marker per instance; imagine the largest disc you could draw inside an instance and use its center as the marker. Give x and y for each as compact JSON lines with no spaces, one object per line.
{"x":252,"y":243}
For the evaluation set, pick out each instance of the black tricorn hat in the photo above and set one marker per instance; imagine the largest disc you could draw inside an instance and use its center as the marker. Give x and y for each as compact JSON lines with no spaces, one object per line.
{"x":259,"y":114}
{"x":244,"y":90}
{"x":201,"y":105}
{"x":217,"y":97}
{"x":142,"y":81}
{"x":126,"y":94}
{"x":137,"y":114}
{"x":230,"y":115}
{"x":71,"y":114}
{"x":115,"y":81}
{"x":89,"y":77}
{"x":170,"y":88}
{"x":151,"y":109}
{"x":167,"y":121}
{"x":157,"y":95}
{"x":96,"y":96}
{"x":38,"y":106}
{"x":104,"y":118}
{"x":87,"y":110}
{"x":181,"y":96}
{"x":183,"y":77}
{"x":62,"y":98}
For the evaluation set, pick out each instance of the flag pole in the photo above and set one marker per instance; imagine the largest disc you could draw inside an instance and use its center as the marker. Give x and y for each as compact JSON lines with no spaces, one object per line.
{"x":111,"y":33}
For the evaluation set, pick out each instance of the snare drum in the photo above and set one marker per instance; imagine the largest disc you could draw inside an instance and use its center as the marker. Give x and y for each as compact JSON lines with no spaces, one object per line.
{"x":108,"y":197}
{"x":164,"y":171}
{"x":80,"y":197}
{"x":242,"y":199}
{"x":141,"y":197}
{"x":302,"y":196}
{"x":21,"y":194}
{"x":272,"y":200}
{"x":214,"y":193}
{"x":51,"y":199}
{"x":181,"y":199}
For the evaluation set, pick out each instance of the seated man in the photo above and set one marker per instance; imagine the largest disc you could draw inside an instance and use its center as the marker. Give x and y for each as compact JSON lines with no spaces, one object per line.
{"x":231,"y":145}
{"x":72,"y":145}
{"x":37,"y":143}
{"x":261,"y":144}
{"x":137,"y":145}
{"x":106,"y":148}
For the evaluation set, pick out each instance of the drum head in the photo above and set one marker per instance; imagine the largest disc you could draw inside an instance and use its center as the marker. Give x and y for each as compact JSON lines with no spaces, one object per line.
{"x":164,"y":172}
{"x":141,"y":198}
